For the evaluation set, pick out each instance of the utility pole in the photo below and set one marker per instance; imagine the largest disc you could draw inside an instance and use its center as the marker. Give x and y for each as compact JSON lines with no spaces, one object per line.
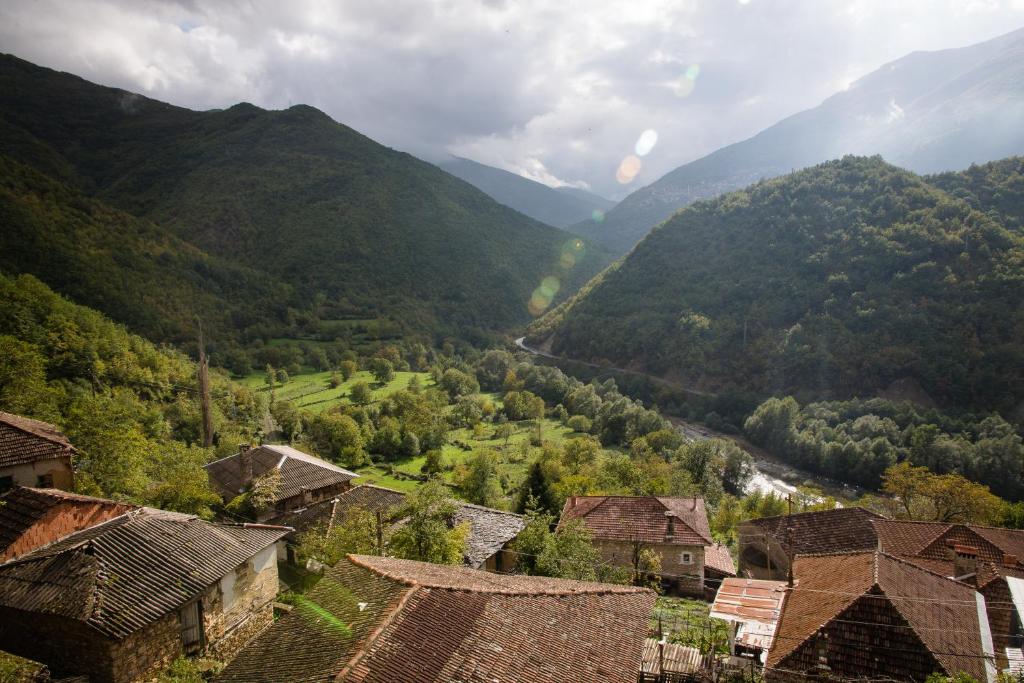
{"x":380,"y":534}
{"x":203,"y":376}
{"x":789,"y":539}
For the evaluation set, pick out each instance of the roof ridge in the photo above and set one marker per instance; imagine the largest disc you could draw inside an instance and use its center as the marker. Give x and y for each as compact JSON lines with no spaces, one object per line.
{"x":66,"y":443}
{"x":488,"y":509}
{"x":364,"y":646}
{"x":911,"y":563}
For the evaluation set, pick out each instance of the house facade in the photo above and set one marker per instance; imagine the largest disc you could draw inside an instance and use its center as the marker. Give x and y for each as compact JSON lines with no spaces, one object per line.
{"x":34,"y":453}
{"x":120,"y":600}
{"x":675,"y":528}
{"x":302,"y":480}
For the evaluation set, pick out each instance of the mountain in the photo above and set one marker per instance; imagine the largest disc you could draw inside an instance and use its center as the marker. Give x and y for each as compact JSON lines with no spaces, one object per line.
{"x":357,"y":229}
{"x":560,"y":206}
{"x":928,"y":112}
{"x":835,"y":281}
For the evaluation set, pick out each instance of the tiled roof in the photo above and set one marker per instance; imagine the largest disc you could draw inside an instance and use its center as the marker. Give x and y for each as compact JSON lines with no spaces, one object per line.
{"x":24,"y":440}
{"x":490,"y":529}
{"x":21,"y":508}
{"x":127,"y":572}
{"x":298,"y":471}
{"x":824,"y":531}
{"x":718,"y":558}
{"x":928,"y":544}
{"x":942,"y":613}
{"x":641,"y":518}
{"x":382,"y":620}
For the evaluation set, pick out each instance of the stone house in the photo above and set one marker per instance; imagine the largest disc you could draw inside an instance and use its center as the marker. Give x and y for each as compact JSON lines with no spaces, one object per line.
{"x":119,"y":600}
{"x":304,"y":479}
{"x":765,"y":545}
{"x":31,"y":518}
{"x":491,"y":531}
{"x":870,"y":615}
{"x":675,"y":528}
{"x":384,"y":620}
{"x":34,"y":453}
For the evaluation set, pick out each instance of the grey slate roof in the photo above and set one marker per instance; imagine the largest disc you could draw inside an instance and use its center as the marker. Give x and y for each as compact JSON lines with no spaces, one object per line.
{"x":298,"y":471}
{"x":24,"y":440}
{"x":490,"y":529}
{"x":126,"y":573}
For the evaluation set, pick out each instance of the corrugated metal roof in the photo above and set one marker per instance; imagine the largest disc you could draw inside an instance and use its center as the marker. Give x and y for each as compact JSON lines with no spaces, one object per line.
{"x":753,"y":604}
{"x":128,"y":572}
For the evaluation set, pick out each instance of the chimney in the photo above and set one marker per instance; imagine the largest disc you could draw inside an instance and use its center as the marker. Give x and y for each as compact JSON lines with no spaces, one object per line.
{"x":572,"y":502}
{"x":245,"y":463}
{"x":1009,"y":560}
{"x":965,"y":562}
{"x":671,"y":533}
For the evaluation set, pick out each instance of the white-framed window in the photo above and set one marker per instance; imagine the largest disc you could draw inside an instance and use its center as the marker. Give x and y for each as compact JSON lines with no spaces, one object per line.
{"x":686,"y":557}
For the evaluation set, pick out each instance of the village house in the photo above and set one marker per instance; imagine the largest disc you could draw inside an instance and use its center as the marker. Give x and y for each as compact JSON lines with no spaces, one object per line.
{"x":31,"y":518}
{"x":988,"y":558}
{"x":383,"y":620}
{"x":34,"y":453}
{"x":303,"y":479}
{"x":675,"y":528}
{"x":119,"y":600}
{"x":870,"y":615}
{"x":491,"y":531}
{"x":765,"y":545}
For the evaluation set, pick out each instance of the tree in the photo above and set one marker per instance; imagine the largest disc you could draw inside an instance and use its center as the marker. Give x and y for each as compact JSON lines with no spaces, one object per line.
{"x":262,"y":493}
{"x":570,"y":554}
{"x":178,"y":481}
{"x":337,"y":437}
{"x":579,"y":423}
{"x":287,"y":417}
{"x":113,"y":449}
{"x":481,"y":480}
{"x":360,"y":393}
{"x":426,"y":532}
{"x":382,"y":370}
{"x":328,"y":542}
{"x":270,"y":379}
{"x":23,"y":387}
{"x":534,"y":538}
{"x":348,"y":369}
{"x":433,"y":463}
{"x":504,"y":431}
{"x":458,"y":383}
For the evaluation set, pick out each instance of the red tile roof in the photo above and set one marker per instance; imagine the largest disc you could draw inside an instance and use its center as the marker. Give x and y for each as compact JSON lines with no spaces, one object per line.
{"x":381,"y":620}
{"x":928,"y":544}
{"x":941,"y":612}
{"x":24,"y":440}
{"x":718,"y":558}
{"x":641,"y":518}
{"x":823,"y":531}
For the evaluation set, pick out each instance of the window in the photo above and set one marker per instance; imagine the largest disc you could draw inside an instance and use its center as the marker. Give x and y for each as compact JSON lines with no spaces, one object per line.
{"x":44,"y":481}
{"x":6,"y":483}
{"x":686,"y":558}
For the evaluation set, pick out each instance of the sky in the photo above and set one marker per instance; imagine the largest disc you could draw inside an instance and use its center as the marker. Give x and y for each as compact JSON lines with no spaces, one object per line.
{"x":560,"y":92}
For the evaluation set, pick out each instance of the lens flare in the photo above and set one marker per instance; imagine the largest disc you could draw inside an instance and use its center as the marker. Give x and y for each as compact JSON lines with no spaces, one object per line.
{"x":628,"y":169}
{"x":550,"y":286}
{"x":692,"y":72}
{"x":538,"y":303}
{"x":597,"y":216}
{"x":567,"y":260}
{"x":646,"y":142}
{"x":684,"y":85}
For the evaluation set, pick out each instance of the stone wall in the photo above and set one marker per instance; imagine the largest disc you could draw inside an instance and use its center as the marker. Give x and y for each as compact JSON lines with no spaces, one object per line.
{"x":688,"y":578}
{"x":240,"y":605}
{"x":66,"y":647}
{"x":143,"y":654}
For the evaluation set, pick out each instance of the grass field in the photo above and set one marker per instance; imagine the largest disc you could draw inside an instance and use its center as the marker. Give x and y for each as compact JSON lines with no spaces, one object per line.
{"x":312,"y":391}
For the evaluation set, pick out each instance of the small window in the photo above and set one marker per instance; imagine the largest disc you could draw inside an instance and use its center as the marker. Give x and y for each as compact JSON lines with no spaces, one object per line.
{"x":6,"y":483}
{"x":44,"y":481}
{"x":243,"y":572}
{"x":686,"y":558}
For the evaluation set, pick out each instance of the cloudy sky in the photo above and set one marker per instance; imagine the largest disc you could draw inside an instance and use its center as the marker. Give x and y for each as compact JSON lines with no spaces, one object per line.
{"x":558,"y":91}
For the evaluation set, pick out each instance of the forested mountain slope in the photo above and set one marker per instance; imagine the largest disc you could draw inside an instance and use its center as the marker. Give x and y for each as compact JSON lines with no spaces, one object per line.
{"x":357,"y":227}
{"x":928,"y":112}
{"x":560,"y":207}
{"x":833,"y":281}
